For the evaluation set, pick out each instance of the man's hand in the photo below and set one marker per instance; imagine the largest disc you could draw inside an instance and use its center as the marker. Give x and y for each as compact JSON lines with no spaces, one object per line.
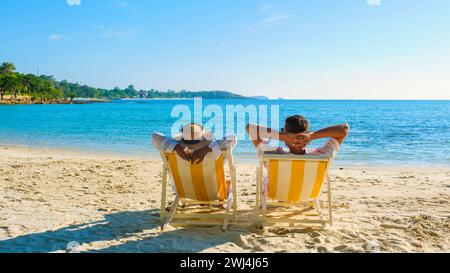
{"x":199,"y":155}
{"x":294,"y":139}
{"x":184,"y":152}
{"x":305,"y":138}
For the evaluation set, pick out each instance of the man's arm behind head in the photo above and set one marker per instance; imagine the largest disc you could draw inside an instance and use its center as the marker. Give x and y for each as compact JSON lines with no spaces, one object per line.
{"x":338,"y":132}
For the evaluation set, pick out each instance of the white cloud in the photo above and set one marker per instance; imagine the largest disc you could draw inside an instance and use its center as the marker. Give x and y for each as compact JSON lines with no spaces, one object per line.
{"x":271,"y":20}
{"x":120,"y":33}
{"x":56,"y":37}
{"x":73,"y":2}
{"x":373,"y":2}
{"x":111,"y":32}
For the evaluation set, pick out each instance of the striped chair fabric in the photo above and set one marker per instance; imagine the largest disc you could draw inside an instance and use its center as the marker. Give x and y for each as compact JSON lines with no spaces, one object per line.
{"x":294,"y":181}
{"x":202,"y":182}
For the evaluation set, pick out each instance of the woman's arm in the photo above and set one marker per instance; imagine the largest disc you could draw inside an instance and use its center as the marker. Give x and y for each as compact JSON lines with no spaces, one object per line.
{"x":167,"y":144}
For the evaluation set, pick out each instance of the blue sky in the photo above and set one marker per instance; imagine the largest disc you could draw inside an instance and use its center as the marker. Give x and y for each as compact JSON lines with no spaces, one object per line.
{"x":386,"y":49}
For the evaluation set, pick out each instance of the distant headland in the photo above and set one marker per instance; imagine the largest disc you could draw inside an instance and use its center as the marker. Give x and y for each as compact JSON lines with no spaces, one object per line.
{"x":18,"y":88}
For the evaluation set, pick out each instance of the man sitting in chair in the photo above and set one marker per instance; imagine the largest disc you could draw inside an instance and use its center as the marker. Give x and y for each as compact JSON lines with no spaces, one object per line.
{"x":194,"y":144}
{"x":296,"y":135}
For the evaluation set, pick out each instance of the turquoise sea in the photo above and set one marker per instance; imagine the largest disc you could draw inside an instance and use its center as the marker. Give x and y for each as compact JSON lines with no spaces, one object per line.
{"x":382,"y":132}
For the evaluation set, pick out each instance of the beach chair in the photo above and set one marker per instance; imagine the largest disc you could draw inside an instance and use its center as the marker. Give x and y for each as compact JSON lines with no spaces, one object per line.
{"x":292,"y":180}
{"x":202,"y":186}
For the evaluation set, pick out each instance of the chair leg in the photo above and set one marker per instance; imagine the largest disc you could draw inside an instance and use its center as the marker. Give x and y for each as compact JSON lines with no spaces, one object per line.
{"x":330,"y":201}
{"x":173,"y":209}
{"x":235,"y":205}
{"x":235,"y":220}
{"x":258,"y":196}
{"x":163,"y":196}
{"x":232,"y":167}
{"x":319,"y":211}
{"x":227,"y":217}
{"x":264,"y":210}
{"x":263,"y":195}
{"x":225,"y":223}
{"x":183,"y":202}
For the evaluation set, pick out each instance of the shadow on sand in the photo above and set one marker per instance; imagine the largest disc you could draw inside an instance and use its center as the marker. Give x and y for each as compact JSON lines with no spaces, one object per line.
{"x":119,"y":227}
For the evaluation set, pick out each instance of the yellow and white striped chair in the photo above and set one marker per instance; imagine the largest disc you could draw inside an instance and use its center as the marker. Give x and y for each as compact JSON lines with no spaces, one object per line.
{"x":291,"y":180}
{"x":201,"y":184}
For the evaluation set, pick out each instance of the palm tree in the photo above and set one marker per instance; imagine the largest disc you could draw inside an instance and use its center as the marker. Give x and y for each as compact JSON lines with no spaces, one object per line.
{"x":2,"y":86}
{"x":7,"y":68}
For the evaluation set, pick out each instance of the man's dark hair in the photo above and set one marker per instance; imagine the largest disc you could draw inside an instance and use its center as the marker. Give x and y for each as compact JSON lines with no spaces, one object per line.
{"x":296,"y":124}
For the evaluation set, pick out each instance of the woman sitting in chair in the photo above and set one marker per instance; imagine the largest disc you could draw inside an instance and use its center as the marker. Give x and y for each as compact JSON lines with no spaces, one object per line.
{"x":193,"y":144}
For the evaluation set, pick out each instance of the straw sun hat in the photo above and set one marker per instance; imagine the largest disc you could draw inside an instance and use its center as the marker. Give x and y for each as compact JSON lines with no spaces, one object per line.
{"x":194,"y":136}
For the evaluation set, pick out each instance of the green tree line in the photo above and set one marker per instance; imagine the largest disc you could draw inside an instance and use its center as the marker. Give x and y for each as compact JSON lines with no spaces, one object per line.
{"x":46,"y":88}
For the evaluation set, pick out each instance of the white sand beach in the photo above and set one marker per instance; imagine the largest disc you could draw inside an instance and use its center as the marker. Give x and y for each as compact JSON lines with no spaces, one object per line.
{"x":49,"y":198}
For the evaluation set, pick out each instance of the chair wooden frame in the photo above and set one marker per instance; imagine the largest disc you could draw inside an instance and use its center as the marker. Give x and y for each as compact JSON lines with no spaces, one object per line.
{"x":198,"y":219}
{"x":260,"y":212}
